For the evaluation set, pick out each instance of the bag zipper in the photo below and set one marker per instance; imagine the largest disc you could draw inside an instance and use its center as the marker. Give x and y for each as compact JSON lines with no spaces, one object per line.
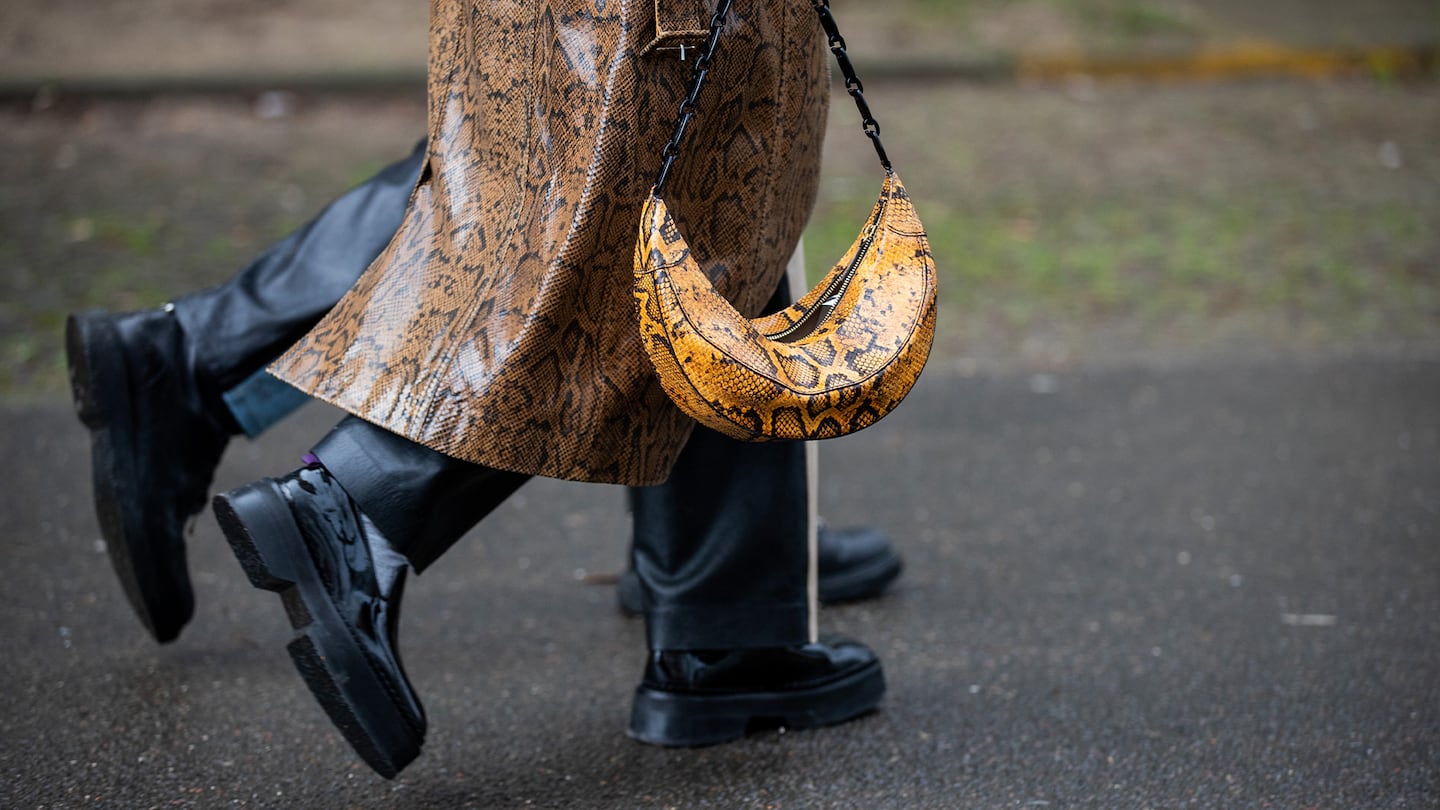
{"x":832,"y":297}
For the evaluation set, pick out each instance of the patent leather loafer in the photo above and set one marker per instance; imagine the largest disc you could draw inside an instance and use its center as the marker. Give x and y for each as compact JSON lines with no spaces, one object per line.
{"x":852,"y":564}
{"x":154,"y":448}
{"x":695,"y":698}
{"x":341,"y":582}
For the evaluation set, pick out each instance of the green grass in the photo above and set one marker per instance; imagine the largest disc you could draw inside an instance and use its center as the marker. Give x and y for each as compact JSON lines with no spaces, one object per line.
{"x":1347,"y":271}
{"x":1236,"y":214}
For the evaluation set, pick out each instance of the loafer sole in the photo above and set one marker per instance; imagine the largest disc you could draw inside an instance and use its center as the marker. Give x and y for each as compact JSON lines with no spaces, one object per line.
{"x":257,"y":522}
{"x":676,"y":719}
{"x":101,"y":388}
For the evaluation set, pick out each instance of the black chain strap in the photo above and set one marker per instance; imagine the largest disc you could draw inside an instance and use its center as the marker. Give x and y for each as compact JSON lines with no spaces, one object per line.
{"x":697,"y":79}
{"x":870,"y":126}
{"x":852,"y":82}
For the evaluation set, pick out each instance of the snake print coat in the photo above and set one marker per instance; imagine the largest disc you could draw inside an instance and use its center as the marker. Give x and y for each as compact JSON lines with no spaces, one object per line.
{"x":498,"y":325}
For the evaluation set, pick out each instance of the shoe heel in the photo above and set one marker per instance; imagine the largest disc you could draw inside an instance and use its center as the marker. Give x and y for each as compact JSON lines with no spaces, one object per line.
{"x":82,"y":330}
{"x":255,"y":519}
{"x":386,"y":743}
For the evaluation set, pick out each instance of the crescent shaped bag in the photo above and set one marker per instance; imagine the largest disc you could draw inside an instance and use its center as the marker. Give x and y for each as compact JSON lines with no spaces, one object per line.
{"x":832,"y":363}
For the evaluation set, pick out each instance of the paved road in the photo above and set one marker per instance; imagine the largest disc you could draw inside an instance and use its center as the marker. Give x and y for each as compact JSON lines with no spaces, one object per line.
{"x":1208,"y":583}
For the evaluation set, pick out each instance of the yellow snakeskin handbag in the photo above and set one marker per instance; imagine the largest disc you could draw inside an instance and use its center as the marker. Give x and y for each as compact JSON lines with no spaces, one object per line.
{"x":832,"y":363}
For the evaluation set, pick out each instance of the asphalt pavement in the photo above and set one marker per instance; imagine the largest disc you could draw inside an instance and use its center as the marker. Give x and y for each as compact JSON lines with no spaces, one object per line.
{"x":1203,"y":582}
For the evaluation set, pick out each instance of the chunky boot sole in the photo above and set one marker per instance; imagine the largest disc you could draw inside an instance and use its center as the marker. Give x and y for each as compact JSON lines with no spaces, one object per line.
{"x":675,"y":719}
{"x":101,"y":386}
{"x":257,"y":522}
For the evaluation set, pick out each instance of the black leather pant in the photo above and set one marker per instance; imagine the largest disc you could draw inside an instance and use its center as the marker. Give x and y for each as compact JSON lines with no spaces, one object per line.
{"x":720,"y":548}
{"x":236,"y":328}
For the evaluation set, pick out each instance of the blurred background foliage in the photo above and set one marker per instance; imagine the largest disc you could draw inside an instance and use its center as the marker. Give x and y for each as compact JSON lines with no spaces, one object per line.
{"x":1088,"y":218}
{"x":1076,"y":218}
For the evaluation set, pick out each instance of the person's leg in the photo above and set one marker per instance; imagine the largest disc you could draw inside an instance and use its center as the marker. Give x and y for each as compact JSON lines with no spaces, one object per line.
{"x":853,"y":563}
{"x":723,"y":558}
{"x":723,"y":554}
{"x":334,"y":539}
{"x":720,"y":546}
{"x":731,"y":644}
{"x":150,"y":385}
{"x":236,"y":328}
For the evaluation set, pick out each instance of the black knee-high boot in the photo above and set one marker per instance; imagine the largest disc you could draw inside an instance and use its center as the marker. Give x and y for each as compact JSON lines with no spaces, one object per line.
{"x":149,"y":384}
{"x":335,"y":538}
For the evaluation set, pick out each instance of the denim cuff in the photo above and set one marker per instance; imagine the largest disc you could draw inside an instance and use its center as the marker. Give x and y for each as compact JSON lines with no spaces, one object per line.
{"x":261,"y":400}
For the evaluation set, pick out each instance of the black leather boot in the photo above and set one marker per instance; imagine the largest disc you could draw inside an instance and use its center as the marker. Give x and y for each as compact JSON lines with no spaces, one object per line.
{"x":341,"y":581}
{"x":720,"y":550}
{"x":149,"y":384}
{"x":852,"y":564}
{"x":154,"y":445}
{"x":705,"y":697}
{"x":334,"y":539}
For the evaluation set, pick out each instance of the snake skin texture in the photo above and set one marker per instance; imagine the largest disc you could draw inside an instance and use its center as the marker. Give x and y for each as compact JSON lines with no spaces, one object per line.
{"x":809,"y":371}
{"x":498,"y":327}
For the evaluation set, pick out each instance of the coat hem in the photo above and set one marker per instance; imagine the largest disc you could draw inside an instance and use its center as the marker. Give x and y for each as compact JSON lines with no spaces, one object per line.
{"x":338,"y":400}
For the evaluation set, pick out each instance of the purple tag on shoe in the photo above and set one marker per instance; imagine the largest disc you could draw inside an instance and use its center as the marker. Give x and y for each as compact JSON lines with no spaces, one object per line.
{"x":310,"y":460}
